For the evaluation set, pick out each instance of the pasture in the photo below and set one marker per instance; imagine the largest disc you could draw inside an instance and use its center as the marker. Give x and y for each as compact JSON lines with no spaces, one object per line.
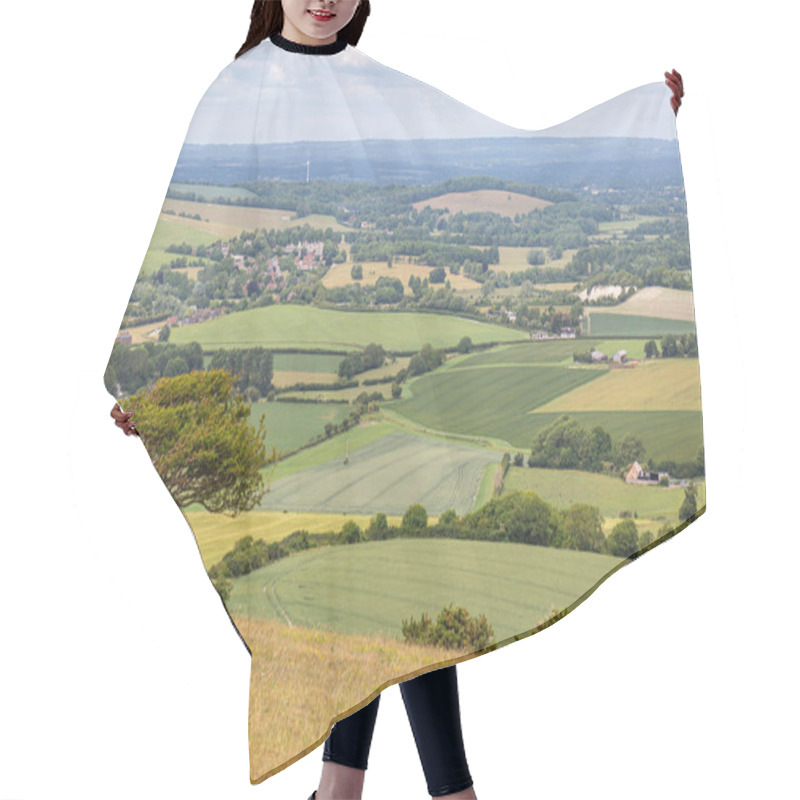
{"x":208,"y":192}
{"x":386,"y":475}
{"x":291,"y":425}
{"x":308,"y":326}
{"x":603,"y":323}
{"x":307,"y":362}
{"x":564,"y":487}
{"x":173,"y":230}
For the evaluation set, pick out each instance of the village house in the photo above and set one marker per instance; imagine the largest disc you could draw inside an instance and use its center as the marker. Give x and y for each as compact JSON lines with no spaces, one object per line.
{"x":636,"y":475}
{"x":567,"y":332}
{"x":598,"y":355}
{"x":620,"y":356}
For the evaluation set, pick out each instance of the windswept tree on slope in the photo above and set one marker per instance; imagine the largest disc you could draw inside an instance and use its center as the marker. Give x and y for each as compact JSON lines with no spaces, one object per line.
{"x":195,"y":429}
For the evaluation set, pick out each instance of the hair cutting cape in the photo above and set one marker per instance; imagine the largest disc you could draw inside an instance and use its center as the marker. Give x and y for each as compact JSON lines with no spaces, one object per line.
{"x":419,"y":381}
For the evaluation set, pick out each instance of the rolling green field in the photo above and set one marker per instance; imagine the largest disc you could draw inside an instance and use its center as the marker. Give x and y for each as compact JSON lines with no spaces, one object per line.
{"x":291,"y":425}
{"x":387,"y":475}
{"x":307,"y":326}
{"x":306,"y":362}
{"x":169,"y":230}
{"x":370,"y":587}
{"x":563,"y":487}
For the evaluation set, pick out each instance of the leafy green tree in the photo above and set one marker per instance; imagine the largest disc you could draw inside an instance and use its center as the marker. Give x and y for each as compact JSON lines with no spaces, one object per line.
{"x":583,"y":528}
{"x":627,"y":450}
{"x":438,"y":275}
{"x":650,"y":349}
{"x":176,"y":366}
{"x":357,"y":272}
{"x":163,"y":333}
{"x":623,"y":539}
{"x":196,"y":430}
{"x":351,"y":533}
{"x":465,"y":344}
{"x":373,"y":356}
{"x":415,"y":519}
{"x":689,"y":506}
{"x":378,"y":527}
{"x":515,"y":517}
{"x":669,"y":346}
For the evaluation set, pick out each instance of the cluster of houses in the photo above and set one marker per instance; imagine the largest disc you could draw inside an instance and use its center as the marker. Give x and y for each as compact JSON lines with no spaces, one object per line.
{"x":310,"y":259}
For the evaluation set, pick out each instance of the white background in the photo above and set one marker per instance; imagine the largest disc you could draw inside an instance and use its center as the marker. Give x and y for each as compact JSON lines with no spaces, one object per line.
{"x":120,"y":674}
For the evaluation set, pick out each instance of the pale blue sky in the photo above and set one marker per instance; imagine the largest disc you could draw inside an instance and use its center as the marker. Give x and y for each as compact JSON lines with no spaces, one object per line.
{"x":273,"y":95}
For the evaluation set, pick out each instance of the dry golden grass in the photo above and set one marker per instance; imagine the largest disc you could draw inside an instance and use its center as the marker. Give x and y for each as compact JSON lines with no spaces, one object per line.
{"x":301,"y":679}
{"x":230,"y":220}
{"x":672,"y":384}
{"x":339,"y":275}
{"x":495,"y":200}
{"x":515,"y":259}
{"x":655,"y":301}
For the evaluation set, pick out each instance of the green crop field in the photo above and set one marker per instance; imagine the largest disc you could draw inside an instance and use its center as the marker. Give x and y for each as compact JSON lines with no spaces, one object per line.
{"x":371,"y":587}
{"x":492,"y":403}
{"x":608,"y":324}
{"x":386,"y":475}
{"x":211,"y":192}
{"x":291,"y":425}
{"x":306,"y":362}
{"x":307,"y":326}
